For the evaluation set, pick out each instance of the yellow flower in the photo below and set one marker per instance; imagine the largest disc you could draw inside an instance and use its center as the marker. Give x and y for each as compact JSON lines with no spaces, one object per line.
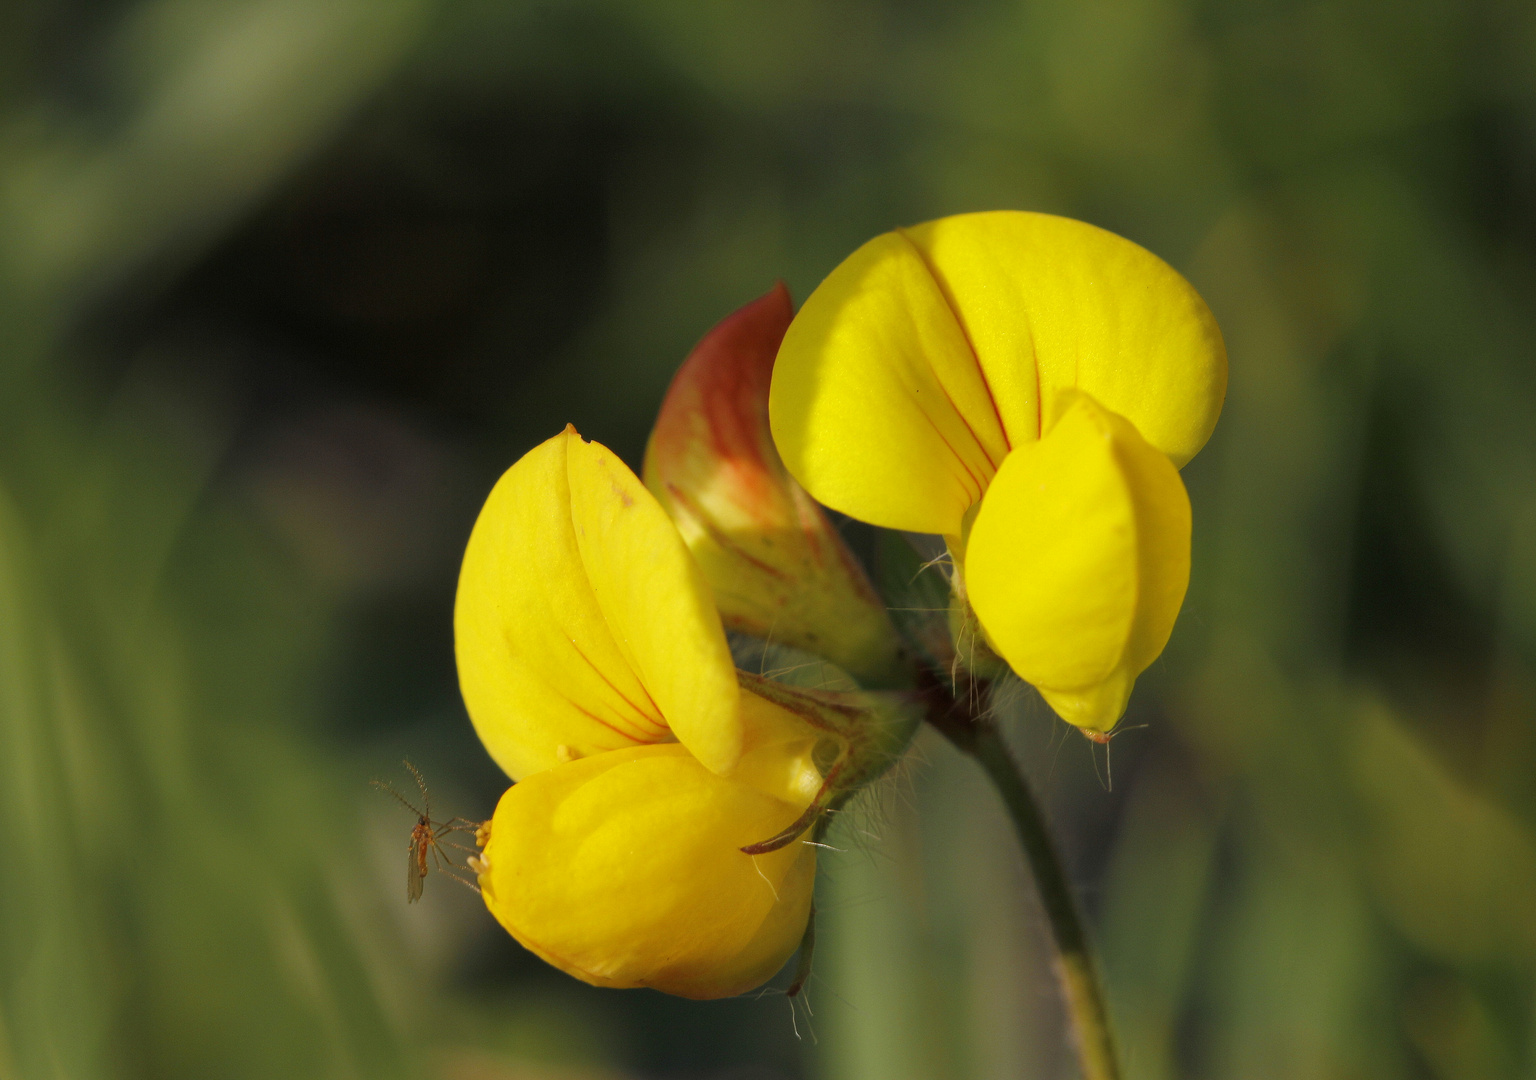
{"x":1026,"y":386}
{"x":779,"y":569}
{"x":595,"y":668}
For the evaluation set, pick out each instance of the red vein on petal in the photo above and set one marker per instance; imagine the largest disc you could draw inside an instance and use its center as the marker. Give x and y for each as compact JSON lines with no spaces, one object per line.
{"x":589,"y":714}
{"x":955,"y":454}
{"x":965,"y":334}
{"x":656,"y":718}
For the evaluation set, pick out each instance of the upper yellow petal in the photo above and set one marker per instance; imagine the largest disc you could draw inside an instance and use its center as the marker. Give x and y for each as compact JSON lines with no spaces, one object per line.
{"x":932,"y":352}
{"x":1093,"y":310}
{"x":877,"y":404}
{"x":1078,"y":559}
{"x":583,"y":623}
{"x":626,"y":869}
{"x":658,"y":606}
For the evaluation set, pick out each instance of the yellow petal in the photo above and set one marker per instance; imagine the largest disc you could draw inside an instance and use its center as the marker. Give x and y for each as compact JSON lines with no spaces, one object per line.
{"x":931,"y":352}
{"x":877,"y":404}
{"x":778,"y":568}
{"x":1078,"y":559}
{"x":582,"y":621}
{"x":657,"y":604}
{"x":1096,"y":313}
{"x":625,"y":870}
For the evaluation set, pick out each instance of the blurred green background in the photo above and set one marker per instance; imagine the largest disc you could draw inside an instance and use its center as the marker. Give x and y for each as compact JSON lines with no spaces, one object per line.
{"x":285,"y":284}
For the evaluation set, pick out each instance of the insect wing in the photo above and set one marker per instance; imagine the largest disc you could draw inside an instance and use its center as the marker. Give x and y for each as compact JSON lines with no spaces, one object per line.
{"x":414,"y":877}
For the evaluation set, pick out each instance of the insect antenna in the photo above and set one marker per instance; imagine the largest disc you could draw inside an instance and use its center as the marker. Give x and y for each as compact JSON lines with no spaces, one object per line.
{"x":426,"y":800}
{"x":388,"y":789}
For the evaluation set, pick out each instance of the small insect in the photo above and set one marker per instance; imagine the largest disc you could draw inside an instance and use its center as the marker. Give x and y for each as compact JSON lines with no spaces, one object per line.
{"x":427,"y":836}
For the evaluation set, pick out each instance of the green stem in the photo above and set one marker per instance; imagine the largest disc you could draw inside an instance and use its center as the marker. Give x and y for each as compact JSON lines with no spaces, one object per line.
{"x":1075,"y":969}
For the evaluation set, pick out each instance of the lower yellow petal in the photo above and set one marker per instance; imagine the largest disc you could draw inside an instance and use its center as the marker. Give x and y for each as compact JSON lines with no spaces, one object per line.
{"x":625,"y":870}
{"x":1078,"y":559}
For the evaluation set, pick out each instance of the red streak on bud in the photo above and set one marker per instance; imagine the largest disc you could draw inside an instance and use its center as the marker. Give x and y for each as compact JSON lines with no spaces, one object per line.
{"x":713,"y":424}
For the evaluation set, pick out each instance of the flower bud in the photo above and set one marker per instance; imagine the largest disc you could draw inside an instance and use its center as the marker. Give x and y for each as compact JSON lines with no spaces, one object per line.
{"x":778,"y":568}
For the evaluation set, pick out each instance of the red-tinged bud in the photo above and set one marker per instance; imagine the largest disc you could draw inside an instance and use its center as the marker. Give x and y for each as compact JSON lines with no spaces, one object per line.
{"x":778,"y":568}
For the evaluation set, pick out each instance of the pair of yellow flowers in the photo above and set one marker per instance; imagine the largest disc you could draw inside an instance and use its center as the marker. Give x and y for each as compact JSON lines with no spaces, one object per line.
{"x":1025,"y":386}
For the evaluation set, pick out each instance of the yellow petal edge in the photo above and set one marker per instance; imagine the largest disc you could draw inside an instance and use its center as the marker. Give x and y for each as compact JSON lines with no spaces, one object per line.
{"x":582,"y":623}
{"x":1078,"y":560}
